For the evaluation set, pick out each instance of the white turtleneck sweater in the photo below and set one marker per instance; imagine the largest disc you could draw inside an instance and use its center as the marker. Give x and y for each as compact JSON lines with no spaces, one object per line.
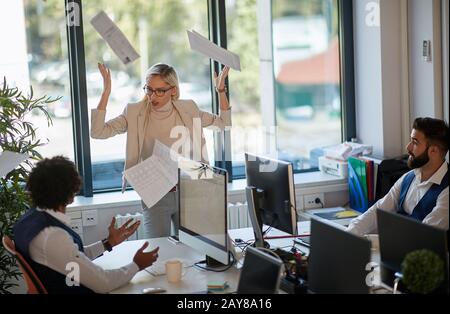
{"x":160,"y":124}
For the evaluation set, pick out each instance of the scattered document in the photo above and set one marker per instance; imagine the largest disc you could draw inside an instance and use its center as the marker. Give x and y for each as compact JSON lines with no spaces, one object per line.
{"x":153,"y":178}
{"x":211,"y":50}
{"x":9,"y":161}
{"x":114,"y":37}
{"x":348,"y":149}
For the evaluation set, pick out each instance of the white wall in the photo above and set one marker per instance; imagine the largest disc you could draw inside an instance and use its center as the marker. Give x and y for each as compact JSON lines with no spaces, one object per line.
{"x":393,"y":83}
{"x":377,"y":34}
{"x":425,"y":77}
{"x":445,"y":52}
{"x":391,"y":69}
{"x":367,"y":64}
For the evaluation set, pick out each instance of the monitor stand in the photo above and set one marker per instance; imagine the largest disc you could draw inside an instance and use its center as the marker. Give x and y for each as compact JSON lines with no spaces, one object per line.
{"x":266,"y":245}
{"x":253,"y":196}
{"x":212,"y":263}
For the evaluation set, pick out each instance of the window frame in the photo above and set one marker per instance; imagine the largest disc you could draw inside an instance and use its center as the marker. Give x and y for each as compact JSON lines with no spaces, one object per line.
{"x":78,"y":90}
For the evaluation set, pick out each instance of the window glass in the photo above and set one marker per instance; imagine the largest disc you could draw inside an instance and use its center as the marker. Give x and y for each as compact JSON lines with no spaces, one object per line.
{"x":157,"y":30}
{"x":34,"y":33}
{"x":307,"y":78}
{"x":242,"y":39}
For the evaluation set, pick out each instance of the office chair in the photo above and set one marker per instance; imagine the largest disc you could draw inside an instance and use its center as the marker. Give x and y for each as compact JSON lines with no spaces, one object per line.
{"x":34,"y":285}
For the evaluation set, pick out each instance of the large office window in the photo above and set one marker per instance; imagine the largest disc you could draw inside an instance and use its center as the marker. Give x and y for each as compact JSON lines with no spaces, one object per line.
{"x":287,"y":99}
{"x":307,"y":78}
{"x":34,"y":53}
{"x":157,"y":30}
{"x":293,"y":96}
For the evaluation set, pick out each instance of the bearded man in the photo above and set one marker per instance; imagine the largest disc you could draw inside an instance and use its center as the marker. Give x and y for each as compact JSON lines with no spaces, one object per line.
{"x":422,"y":193}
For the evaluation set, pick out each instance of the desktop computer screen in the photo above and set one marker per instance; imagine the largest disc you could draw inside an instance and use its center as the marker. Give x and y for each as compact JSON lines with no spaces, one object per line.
{"x":203,"y":209}
{"x":270,"y":188}
{"x":260,"y":274}
{"x":400,"y":235}
{"x":337,"y":260}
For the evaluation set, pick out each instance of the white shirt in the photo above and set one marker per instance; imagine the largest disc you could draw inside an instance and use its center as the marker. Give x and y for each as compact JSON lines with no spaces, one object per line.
{"x":438,"y":217}
{"x":54,"y":247}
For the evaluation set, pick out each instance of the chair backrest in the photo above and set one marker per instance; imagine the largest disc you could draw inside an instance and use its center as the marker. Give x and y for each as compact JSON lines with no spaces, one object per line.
{"x":34,"y":285}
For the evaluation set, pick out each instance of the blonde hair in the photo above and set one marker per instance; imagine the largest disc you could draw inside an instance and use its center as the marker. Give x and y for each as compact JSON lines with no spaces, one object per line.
{"x":167,"y":74}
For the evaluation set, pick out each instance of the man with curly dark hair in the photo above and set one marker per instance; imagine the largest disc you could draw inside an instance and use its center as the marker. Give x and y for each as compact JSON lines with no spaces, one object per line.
{"x":43,"y":236}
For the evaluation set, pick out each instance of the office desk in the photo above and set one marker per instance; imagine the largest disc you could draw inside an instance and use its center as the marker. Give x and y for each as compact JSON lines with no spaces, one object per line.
{"x":195,"y":280}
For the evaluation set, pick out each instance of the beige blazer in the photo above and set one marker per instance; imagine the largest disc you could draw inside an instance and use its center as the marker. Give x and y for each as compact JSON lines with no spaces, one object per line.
{"x":133,"y":121}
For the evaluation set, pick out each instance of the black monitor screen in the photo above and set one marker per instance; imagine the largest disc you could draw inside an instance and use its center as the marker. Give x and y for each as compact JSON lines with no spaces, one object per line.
{"x":400,"y":235}
{"x":276,"y":200}
{"x":337,"y":260}
{"x":260,"y":274}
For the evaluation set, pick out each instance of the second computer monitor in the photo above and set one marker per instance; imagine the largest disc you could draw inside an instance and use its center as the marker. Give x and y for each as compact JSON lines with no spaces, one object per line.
{"x":400,"y":235}
{"x":275,"y":197}
{"x":260,"y":274}
{"x":203,"y":209}
{"x":337,"y":260}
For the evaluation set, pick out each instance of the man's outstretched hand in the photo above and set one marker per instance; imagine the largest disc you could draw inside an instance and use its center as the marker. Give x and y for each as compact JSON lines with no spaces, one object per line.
{"x":117,"y":236}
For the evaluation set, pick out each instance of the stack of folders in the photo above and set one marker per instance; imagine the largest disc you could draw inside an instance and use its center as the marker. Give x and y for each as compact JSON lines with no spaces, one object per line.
{"x":362,"y":181}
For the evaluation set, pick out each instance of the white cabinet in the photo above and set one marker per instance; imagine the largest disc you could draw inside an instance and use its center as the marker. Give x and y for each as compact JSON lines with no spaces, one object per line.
{"x":76,"y":222}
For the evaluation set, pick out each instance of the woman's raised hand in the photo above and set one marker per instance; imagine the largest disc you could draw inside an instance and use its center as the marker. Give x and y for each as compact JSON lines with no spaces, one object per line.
{"x":219,"y":80}
{"x":106,"y":74}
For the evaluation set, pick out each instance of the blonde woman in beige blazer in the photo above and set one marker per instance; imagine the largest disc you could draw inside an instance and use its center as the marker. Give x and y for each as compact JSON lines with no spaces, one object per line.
{"x":160,"y":115}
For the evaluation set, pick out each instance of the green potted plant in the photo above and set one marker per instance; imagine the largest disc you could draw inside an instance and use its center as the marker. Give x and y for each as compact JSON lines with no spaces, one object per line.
{"x":17,"y":134}
{"x":422,"y":272}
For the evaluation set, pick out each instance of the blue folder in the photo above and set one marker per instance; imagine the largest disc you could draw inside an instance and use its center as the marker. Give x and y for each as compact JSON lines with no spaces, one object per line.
{"x":357,"y":184}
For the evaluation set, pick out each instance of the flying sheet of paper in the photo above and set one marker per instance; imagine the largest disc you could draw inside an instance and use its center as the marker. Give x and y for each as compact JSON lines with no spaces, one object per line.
{"x":156,"y":176}
{"x":211,"y":50}
{"x":9,"y":161}
{"x":114,"y":37}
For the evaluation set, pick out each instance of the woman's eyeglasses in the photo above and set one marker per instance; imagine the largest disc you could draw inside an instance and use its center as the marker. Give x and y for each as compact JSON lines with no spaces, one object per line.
{"x":158,"y":92}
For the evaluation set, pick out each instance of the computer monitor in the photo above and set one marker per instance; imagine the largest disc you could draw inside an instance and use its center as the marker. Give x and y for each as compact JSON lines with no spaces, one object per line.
{"x":400,"y":235}
{"x":203,"y":209}
{"x":260,"y":274}
{"x":270,"y":194}
{"x":337,"y":260}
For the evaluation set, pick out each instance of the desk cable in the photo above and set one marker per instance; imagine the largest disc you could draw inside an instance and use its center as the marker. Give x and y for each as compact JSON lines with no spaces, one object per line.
{"x":244,"y":245}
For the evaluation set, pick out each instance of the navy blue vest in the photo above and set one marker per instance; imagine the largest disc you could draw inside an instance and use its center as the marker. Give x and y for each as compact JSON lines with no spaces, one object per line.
{"x":25,"y":230}
{"x":428,"y":201}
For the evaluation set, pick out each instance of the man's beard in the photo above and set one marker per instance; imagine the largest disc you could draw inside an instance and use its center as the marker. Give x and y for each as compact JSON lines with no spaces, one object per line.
{"x":415,"y":162}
